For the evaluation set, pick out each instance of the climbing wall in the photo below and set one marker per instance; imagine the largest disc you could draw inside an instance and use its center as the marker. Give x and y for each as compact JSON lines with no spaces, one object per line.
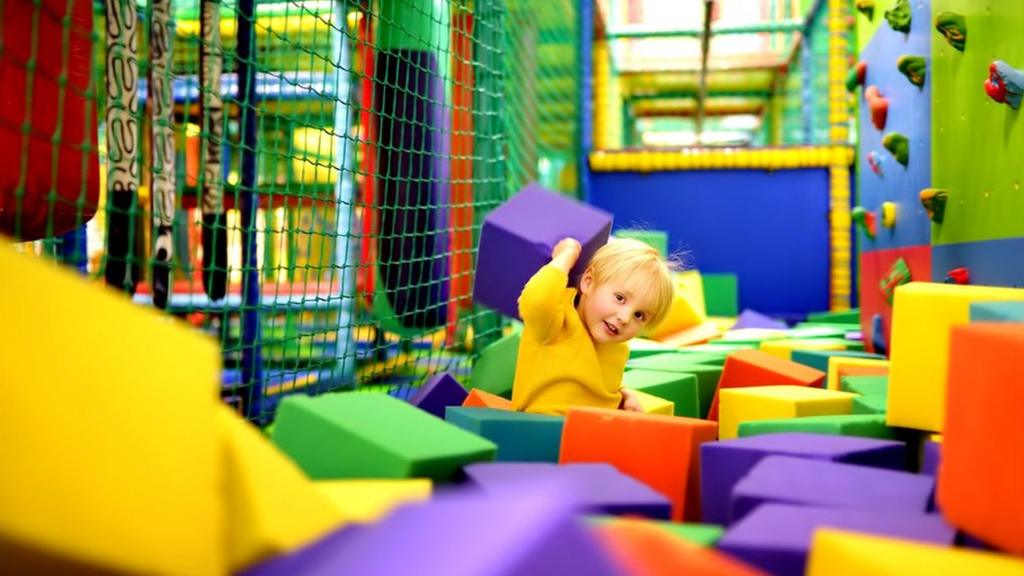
{"x":883,"y":179}
{"x":979,"y":147}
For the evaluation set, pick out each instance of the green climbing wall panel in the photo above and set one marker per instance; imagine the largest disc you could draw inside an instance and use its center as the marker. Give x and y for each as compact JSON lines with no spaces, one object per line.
{"x":979,"y":145}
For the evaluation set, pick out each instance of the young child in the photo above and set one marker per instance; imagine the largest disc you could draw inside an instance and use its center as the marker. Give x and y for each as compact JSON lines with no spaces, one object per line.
{"x":573,"y":350}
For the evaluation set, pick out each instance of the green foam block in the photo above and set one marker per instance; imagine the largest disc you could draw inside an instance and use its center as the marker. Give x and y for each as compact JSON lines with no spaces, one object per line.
{"x":844,"y":317}
{"x":721,"y":294}
{"x":865,"y":385}
{"x":681,"y":389}
{"x":866,"y":425}
{"x":520,"y":437}
{"x":707,"y":375}
{"x":817,"y":331}
{"x":705,"y":535}
{"x":818,"y":359}
{"x":494,"y":370}
{"x":997,"y":312}
{"x":367,"y":435}
{"x":870,"y":405}
{"x":641,"y":347}
{"x":721,"y":347}
{"x":653,"y":238}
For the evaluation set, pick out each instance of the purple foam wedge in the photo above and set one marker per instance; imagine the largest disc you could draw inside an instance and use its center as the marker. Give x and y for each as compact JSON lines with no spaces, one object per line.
{"x":725,"y":463}
{"x":777,"y":537}
{"x":802,"y":481}
{"x":752,"y":319}
{"x":599,"y":488}
{"x":517,"y":238}
{"x":307,"y":559}
{"x":532,"y":530}
{"x":437,"y":393}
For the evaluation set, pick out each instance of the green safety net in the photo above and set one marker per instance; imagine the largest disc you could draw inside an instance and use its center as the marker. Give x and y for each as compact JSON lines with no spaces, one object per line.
{"x":311,"y":197}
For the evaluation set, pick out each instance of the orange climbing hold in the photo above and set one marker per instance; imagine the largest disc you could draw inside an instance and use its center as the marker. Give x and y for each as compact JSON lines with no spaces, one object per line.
{"x":879,"y":106}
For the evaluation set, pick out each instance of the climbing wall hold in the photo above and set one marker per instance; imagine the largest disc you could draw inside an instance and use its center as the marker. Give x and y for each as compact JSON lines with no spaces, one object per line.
{"x":856,"y":76}
{"x":875,"y":162}
{"x":914,"y":68}
{"x":865,"y":220}
{"x":898,"y":275}
{"x":958,"y":276}
{"x":867,"y":8}
{"x":953,"y":27}
{"x":1005,"y":84}
{"x":879,"y":106}
{"x":899,"y":16}
{"x":889,"y":214}
{"x":898,"y":145}
{"x":934,"y":202}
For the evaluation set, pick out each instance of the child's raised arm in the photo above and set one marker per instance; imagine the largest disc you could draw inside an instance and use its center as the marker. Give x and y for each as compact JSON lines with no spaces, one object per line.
{"x":541,"y":298}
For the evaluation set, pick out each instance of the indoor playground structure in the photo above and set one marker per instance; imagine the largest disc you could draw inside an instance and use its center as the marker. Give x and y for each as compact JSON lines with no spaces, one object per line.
{"x":260,"y":263}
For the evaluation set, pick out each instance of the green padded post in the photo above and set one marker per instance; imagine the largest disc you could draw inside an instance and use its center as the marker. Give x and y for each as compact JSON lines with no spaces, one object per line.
{"x":361,"y":435}
{"x":704,"y":535}
{"x":721,"y":294}
{"x":495,"y":370}
{"x":865,"y":385}
{"x":681,"y":389}
{"x":865,"y":425}
{"x":870,"y":405}
{"x":520,"y":437}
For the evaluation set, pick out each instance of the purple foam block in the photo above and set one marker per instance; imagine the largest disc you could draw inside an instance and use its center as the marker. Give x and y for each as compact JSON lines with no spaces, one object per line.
{"x":599,"y":488}
{"x":724,"y":463}
{"x":777,"y":537}
{"x":790,"y":480}
{"x":517,"y":238}
{"x":751,"y":319}
{"x":931,"y":457}
{"x":532,"y":530}
{"x":439,"y":392}
{"x":306,"y":559}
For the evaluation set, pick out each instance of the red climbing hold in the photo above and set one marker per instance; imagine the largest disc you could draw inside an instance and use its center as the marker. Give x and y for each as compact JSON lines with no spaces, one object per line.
{"x":879,"y":106}
{"x":958,"y":276}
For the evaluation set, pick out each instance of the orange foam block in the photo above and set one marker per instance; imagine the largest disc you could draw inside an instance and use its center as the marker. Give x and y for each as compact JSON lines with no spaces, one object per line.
{"x":748,"y":368}
{"x":643,"y":549}
{"x":982,"y":471}
{"x":841,"y":366}
{"x":479,"y":399}
{"x":660,"y":451}
{"x":694,"y":335}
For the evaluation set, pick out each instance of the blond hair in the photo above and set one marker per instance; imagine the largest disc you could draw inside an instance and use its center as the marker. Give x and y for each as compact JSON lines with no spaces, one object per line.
{"x":641,"y":270}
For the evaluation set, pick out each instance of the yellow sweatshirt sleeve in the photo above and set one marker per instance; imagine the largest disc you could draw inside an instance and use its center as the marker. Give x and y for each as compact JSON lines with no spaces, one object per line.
{"x":540,"y":303}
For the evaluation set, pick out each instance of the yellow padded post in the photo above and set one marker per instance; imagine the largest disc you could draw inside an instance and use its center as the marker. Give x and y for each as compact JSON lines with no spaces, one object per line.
{"x":365,"y":501}
{"x":923,"y":313}
{"x":839,"y":553}
{"x":108,"y":437}
{"x":738,"y":405}
{"x":783,"y":347}
{"x":272,"y":507}
{"x":655,"y":405}
{"x":835,"y":363}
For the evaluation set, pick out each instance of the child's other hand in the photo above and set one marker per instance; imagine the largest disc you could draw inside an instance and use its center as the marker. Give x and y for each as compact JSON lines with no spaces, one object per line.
{"x":630,"y":401}
{"x":570,"y":247}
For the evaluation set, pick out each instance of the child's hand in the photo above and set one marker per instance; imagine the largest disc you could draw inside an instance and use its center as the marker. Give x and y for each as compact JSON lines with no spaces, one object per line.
{"x":567,"y":247}
{"x":630,"y":401}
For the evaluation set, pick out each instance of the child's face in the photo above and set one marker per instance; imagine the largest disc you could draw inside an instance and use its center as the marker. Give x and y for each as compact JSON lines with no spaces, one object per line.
{"x":611,"y":312}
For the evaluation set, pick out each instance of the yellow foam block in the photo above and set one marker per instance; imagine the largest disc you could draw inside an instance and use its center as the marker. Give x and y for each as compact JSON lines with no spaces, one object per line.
{"x":840,"y":553}
{"x":687,"y":305}
{"x":722,"y":322}
{"x":271,"y":506}
{"x":738,"y":405}
{"x":923,"y":314}
{"x":783,"y":348}
{"x":108,"y":437}
{"x":654,"y":405}
{"x":837,"y":362}
{"x":364,"y":501}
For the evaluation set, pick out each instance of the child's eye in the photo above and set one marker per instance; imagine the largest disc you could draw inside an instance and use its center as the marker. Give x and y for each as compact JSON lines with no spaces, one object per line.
{"x":639,"y":316}
{"x":620,"y":297}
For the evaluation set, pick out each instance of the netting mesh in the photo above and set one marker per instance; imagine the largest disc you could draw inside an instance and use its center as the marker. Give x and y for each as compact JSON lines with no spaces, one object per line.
{"x":303,"y":180}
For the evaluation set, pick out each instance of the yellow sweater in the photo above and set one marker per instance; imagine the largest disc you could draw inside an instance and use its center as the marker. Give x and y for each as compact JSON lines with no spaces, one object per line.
{"x":559,"y":366}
